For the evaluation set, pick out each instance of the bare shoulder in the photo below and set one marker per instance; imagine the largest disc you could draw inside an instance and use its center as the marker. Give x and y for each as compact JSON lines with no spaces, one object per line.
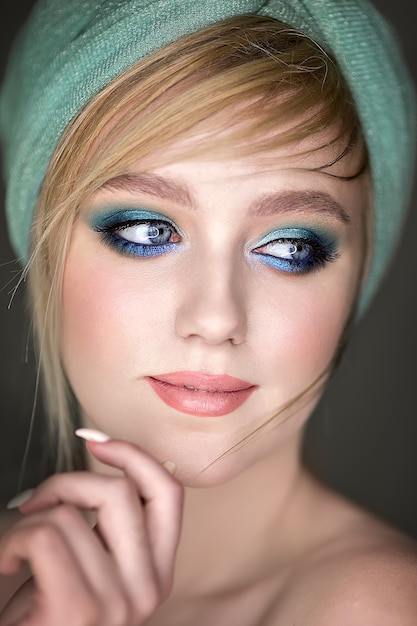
{"x":374,"y":585}
{"x":364,"y":574}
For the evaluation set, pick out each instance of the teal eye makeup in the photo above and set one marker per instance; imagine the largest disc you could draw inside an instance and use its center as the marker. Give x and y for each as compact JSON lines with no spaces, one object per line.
{"x":136,"y":232}
{"x":297,"y":250}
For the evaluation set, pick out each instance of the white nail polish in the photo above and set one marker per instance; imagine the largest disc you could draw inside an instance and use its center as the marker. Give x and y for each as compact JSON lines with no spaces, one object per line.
{"x":89,"y":434}
{"x":170,"y":467}
{"x":20,"y":499}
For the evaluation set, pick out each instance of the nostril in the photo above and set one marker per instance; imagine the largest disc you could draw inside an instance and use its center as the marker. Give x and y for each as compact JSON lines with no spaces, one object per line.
{"x":213,"y":319}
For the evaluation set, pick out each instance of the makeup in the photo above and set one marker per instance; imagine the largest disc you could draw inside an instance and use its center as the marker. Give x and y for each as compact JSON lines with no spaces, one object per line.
{"x":199,"y":394}
{"x":136,"y":232}
{"x":299,"y":250}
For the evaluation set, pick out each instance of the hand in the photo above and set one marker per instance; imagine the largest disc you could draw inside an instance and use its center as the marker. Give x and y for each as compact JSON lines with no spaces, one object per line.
{"x":116,"y":574}
{"x":20,"y":605}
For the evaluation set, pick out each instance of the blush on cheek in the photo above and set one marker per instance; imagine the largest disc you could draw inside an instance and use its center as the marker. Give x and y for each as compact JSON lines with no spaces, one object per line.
{"x":91,"y":308}
{"x":326,"y":332}
{"x":316,"y":333}
{"x":108,"y":325}
{"x":84,"y":317}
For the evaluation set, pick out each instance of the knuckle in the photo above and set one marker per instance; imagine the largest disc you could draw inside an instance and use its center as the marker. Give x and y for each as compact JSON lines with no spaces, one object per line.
{"x":46,"y":536}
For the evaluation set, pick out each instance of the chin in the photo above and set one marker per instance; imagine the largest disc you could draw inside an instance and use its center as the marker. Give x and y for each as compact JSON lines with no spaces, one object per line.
{"x":202,"y":470}
{"x":206,"y":477}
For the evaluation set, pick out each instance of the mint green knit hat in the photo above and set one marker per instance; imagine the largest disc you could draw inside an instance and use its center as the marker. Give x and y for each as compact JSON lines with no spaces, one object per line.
{"x":69,"y":49}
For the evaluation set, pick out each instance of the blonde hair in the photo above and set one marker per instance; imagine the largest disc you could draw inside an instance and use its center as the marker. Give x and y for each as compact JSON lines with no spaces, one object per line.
{"x":268,"y":73}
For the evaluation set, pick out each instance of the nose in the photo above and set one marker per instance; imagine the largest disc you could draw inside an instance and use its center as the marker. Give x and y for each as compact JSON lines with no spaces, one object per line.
{"x":212,"y":305}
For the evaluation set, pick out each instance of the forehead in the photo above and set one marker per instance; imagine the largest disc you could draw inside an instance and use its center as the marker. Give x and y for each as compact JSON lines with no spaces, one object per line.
{"x":290,"y":179}
{"x":227,"y":149}
{"x":219,"y":141}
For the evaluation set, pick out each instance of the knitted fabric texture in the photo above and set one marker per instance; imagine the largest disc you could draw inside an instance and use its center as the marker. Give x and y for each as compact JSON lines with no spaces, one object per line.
{"x":69,"y":49}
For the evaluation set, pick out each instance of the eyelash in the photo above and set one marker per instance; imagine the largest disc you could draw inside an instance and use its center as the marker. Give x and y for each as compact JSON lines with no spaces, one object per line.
{"x":111,"y":228}
{"x":317,"y":252}
{"x":314,"y":251}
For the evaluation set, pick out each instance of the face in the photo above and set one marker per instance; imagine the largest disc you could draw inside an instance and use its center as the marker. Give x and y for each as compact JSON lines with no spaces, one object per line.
{"x":201,"y":297}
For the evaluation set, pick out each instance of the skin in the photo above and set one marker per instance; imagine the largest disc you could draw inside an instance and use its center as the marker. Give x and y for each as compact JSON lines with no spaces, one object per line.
{"x":213,"y":306}
{"x":232,"y":315}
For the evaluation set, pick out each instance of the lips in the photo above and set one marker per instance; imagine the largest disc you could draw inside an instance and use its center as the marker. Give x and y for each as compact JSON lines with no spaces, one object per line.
{"x":199,"y":394}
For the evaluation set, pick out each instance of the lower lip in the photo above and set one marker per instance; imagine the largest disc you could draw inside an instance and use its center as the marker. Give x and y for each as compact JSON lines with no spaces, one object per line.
{"x":200,"y":403}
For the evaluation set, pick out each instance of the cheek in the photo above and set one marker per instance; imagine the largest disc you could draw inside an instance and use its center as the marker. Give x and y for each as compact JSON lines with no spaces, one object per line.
{"x":305,"y":330}
{"x":108,"y":327}
{"x":319,"y":331}
{"x":88,"y":316}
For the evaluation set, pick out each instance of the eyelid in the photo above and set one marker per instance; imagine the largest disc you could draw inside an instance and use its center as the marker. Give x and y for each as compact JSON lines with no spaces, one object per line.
{"x":111,"y":218}
{"x":110,"y":223}
{"x":291,"y":233}
{"x":324,"y":248}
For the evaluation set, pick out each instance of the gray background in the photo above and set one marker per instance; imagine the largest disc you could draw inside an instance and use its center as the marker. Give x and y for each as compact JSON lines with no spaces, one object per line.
{"x":362,"y":438}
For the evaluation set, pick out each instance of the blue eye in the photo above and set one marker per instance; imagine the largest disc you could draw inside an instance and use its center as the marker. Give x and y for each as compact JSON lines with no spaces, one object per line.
{"x":136,"y":232}
{"x":296,"y":250}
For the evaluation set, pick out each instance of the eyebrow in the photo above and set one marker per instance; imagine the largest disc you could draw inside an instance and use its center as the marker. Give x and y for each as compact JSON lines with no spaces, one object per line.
{"x":152,"y":185}
{"x":309,"y":201}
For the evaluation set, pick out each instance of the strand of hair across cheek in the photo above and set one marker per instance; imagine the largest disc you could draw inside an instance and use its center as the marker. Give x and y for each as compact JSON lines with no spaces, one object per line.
{"x":287,"y":411}
{"x":290,"y":408}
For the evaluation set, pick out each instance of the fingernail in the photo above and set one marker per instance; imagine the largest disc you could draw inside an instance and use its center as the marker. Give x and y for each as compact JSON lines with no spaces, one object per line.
{"x":89,"y":434}
{"x":20,"y":499}
{"x":170,"y":467}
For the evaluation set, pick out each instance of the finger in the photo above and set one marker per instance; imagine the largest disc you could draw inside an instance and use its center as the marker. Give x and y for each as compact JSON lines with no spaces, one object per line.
{"x":162,"y":495}
{"x":19,"y":605}
{"x":61,"y":585}
{"x":87,"y":552}
{"x":120,"y":519}
{"x":143,"y":548}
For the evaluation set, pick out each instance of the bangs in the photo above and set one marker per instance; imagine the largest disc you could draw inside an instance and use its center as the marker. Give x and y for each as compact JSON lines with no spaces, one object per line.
{"x":258,"y":83}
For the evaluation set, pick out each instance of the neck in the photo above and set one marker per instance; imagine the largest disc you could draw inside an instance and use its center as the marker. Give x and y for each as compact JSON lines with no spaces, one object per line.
{"x":242,"y":524}
{"x":218,"y":522}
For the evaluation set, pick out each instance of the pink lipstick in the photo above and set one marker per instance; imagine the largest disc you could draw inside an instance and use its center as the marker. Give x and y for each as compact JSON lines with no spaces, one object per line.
{"x":201,"y":394}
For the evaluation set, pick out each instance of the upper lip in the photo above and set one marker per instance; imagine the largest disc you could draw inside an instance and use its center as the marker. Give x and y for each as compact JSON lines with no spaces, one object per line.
{"x":204,"y":382}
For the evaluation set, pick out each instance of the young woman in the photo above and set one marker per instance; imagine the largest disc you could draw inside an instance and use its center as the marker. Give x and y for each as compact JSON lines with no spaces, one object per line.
{"x":204,"y":204}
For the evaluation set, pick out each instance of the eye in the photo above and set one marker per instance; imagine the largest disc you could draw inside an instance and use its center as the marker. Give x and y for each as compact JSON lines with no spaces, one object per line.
{"x":149,"y":233}
{"x":137,"y":232}
{"x":292,"y":250}
{"x":296,"y":250}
